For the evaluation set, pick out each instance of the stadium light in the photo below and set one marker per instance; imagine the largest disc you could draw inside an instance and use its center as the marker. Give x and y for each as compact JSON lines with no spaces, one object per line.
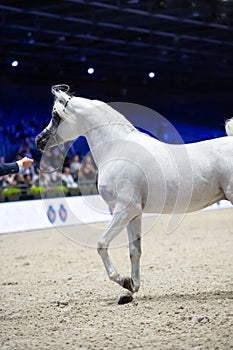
{"x":14,"y":63}
{"x":151,"y":75}
{"x":90,"y":70}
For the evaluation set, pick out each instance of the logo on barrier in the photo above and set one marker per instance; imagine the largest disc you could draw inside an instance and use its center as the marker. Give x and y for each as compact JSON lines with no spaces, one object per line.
{"x":62,"y":213}
{"x":51,"y":214}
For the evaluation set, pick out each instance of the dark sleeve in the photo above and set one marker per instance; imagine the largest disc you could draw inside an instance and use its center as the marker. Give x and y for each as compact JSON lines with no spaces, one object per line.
{"x":8,"y":168}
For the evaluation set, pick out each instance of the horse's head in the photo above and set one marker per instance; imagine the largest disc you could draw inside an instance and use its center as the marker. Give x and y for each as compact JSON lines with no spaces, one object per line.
{"x":49,"y":136}
{"x":74,"y":116}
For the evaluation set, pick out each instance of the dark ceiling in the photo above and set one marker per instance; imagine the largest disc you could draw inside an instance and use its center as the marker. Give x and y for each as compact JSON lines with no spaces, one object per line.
{"x":186,"y":43}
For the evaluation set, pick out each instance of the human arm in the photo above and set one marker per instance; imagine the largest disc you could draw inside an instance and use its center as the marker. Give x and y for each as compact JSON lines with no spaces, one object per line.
{"x":12,"y":168}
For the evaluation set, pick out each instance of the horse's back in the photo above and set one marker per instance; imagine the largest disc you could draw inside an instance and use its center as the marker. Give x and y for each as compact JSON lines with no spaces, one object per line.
{"x":186,"y":176}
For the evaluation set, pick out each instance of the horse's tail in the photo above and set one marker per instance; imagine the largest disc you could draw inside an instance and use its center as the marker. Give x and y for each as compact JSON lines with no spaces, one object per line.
{"x":229,"y":127}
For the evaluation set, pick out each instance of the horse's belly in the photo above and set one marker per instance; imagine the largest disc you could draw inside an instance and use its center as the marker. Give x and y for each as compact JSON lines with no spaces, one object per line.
{"x":180,"y":197}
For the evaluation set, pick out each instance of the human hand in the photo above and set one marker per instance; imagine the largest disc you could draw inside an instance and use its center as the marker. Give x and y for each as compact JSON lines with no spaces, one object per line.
{"x":27,"y":162}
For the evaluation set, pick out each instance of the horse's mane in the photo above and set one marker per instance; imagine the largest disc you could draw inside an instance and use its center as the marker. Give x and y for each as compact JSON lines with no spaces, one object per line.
{"x":62,"y":96}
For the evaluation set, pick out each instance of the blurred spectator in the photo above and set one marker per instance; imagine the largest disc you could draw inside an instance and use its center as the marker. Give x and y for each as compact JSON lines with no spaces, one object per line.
{"x":11,"y":179}
{"x":88,"y":170}
{"x":87,"y":177}
{"x":21,"y":184}
{"x":7,"y":181}
{"x":20,"y":179}
{"x":75,"y":166}
{"x":56,"y":179}
{"x":43,"y":180}
{"x":35,"y":174}
{"x":28,"y":180}
{"x":68,"y":178}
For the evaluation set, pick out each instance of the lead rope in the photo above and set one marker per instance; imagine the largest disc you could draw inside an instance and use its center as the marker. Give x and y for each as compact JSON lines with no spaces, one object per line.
{"x":61,"y":148}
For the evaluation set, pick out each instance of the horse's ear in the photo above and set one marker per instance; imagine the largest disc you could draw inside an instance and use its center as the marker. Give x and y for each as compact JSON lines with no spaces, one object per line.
{"x":60,"y":91}
{"x":60,"y":87}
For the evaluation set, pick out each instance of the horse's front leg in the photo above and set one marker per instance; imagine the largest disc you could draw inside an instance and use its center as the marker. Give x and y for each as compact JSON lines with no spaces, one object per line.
{"x":118,"y":223}
{"x":133,"y":283}
{"x":134,"y":235}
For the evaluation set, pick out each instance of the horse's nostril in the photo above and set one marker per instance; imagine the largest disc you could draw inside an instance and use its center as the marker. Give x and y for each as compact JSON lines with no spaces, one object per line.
{"x":39,"y":142}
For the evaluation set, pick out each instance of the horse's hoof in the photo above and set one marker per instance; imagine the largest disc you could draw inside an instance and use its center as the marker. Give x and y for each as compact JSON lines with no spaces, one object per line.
{"x":125,"y":299}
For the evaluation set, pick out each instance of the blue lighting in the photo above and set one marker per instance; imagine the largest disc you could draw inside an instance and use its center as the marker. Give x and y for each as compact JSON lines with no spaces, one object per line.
{"x":14,"y":63}
{"x":90,"y":70}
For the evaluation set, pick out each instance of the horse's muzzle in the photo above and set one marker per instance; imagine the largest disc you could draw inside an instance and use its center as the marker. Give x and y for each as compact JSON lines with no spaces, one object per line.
{"x":42,"y":139}
{"x":47,"y":137}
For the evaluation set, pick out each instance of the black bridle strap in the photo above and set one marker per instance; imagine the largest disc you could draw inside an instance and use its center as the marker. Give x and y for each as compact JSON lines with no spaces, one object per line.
{"x":68,"y":100}
{"x":61,"y":148}
{"x":52,"y":131}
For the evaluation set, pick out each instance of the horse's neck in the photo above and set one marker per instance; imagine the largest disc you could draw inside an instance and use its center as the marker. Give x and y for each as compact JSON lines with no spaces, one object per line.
{"x":103,"y":139}
{"x":104,"y":129}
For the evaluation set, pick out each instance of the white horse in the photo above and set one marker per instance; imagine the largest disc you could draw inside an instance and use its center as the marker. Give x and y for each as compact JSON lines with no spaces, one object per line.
{"x":138,"y":173}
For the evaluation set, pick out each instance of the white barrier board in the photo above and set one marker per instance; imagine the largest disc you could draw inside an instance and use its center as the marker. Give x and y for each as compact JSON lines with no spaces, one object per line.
{"x":47,"y":213}
{"x":55,"y":212}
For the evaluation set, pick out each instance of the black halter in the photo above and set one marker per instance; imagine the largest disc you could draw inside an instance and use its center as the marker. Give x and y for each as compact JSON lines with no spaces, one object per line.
{"x":51,"y":131}
{"x":43,"y":137}
{"x":65,"y":105}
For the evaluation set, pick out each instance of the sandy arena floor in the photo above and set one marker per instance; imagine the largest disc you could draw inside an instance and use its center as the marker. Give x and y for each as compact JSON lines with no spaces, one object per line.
{"x":55,"y":294}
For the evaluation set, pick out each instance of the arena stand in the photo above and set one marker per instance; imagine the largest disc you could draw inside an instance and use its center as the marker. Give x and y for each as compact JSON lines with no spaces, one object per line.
{"x":78,"y":179}
{"x":59,"y":194}
{"x":79,"y":174}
